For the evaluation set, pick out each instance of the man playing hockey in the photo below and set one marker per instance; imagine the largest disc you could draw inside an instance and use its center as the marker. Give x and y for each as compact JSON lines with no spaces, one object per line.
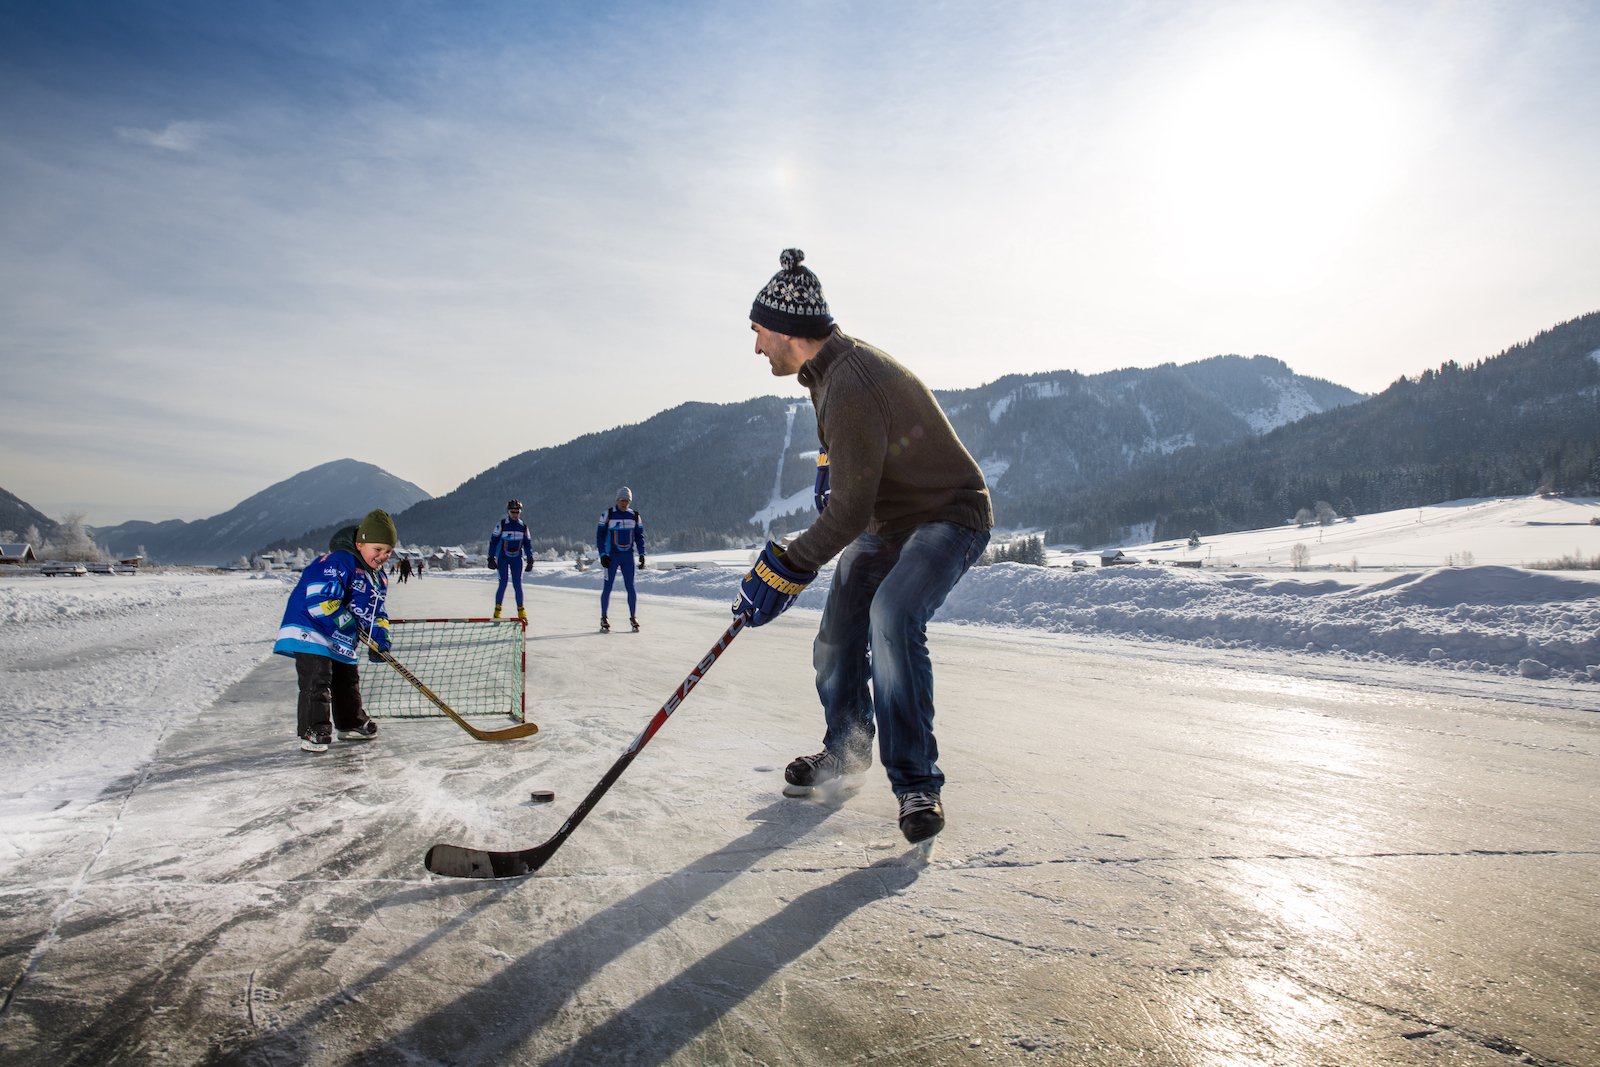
{"x":899,"y":495}
{"x":618,"y":537}
{"x":510,"y":553}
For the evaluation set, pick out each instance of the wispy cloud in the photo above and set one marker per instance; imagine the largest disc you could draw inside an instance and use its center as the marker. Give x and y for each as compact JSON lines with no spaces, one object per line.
{"x":174,"y":137}
{"x":403,"y":204}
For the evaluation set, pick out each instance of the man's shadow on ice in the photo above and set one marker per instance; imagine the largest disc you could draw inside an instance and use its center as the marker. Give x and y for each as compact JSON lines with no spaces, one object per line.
{"x":498,"y":1015}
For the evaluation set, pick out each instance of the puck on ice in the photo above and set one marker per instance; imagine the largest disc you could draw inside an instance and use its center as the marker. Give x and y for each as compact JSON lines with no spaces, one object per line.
{"x":543,"y":796}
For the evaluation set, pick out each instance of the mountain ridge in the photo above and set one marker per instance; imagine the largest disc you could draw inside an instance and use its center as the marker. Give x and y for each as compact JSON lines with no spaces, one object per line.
{"x":327,"y":494}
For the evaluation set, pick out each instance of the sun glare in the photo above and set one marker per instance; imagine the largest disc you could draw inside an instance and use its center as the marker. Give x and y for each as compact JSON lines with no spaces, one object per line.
{"x":1269,"y":152}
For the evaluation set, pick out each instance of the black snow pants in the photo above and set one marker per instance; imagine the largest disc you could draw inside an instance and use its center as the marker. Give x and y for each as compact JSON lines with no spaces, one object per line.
{"x":330,"y":693}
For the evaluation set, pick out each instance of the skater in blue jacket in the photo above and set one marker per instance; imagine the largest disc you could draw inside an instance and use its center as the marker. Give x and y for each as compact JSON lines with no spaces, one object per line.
{"x":510,"y":553}
{"x":337,"y":602}
{"x":618,"y":537}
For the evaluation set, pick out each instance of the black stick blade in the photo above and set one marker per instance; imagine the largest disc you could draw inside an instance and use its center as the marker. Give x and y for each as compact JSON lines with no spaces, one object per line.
{"x":458,"y":861}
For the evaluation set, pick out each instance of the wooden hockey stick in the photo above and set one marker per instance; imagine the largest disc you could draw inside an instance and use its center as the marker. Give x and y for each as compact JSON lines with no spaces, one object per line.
{"x":510,"y":733}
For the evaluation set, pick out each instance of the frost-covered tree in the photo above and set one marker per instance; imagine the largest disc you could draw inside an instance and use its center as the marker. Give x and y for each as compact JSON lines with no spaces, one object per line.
{"x":72,"y":542}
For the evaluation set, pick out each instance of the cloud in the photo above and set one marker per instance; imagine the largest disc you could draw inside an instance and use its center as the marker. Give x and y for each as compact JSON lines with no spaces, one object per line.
{"x":176,"y":137}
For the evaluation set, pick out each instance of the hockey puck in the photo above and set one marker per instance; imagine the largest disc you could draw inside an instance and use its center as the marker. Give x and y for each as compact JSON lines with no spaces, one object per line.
{"x":543,"y":796}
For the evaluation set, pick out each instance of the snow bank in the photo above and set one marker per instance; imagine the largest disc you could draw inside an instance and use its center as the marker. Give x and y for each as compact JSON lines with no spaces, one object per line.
{"x":1488,"y":618}
{"x":95,"y":670}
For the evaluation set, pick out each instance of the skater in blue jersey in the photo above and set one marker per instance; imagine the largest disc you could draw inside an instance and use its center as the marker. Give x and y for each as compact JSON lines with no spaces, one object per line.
{"x":511,"y":554}
{"x":619,"y":537}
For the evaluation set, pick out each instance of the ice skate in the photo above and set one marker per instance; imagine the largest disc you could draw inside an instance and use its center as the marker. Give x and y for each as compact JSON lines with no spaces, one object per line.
{"x":825,"y":770}
{"x":921,"y":817}
{"x":633,"y":622}
{"x":605,"y":625}
{"x":362,"y":731}
{"x":316,"y":739}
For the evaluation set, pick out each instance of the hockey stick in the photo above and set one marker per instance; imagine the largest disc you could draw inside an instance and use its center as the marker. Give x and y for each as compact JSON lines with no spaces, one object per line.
{"x":458,"y":861}
{"x":510,"y":733}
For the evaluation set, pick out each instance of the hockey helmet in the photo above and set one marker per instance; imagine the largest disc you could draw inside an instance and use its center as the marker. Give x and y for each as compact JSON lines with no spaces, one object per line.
{"x":513,"y":505}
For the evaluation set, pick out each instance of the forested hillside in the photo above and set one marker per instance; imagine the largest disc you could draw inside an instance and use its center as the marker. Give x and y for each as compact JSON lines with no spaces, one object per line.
{"x":1523,"y":421}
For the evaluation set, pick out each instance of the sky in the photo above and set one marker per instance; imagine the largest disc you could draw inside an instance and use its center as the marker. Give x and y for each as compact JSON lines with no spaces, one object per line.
{"x":240,"y":240}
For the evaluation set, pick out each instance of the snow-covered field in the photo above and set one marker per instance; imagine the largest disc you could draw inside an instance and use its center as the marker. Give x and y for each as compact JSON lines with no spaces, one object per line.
{"x":1442,"y":585}
{"x":1145,"y":714}
{"x":97,"y":667}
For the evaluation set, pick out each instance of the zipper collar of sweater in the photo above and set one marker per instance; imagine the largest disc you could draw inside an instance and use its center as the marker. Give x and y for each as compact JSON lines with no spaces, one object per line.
{"x":813,"y":369}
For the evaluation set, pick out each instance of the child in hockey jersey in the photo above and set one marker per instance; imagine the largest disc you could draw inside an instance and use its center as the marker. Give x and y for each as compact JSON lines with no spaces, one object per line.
{"x":338,"y":601}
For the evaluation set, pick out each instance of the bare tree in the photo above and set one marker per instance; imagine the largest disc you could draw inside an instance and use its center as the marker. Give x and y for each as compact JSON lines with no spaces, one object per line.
{"x":1299,"y":556}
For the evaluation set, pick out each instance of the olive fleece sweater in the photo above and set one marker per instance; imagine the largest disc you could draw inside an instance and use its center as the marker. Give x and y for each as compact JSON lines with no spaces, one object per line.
{"x":894,"y":461}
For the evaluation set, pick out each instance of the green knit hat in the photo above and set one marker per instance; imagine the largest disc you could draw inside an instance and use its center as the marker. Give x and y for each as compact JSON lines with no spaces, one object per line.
{"x":377,"y":529}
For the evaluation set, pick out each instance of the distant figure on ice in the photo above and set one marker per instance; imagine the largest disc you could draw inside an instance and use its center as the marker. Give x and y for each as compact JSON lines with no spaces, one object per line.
{"x":899,"y":495}
{"x":338,"y":602}
{"x":405,"y":569}
{"x":618,"y":537}
{"x":510,"y":553}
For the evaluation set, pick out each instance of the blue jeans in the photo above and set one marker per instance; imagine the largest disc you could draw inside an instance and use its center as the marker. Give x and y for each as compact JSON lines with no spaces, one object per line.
{"x":875,"y":628}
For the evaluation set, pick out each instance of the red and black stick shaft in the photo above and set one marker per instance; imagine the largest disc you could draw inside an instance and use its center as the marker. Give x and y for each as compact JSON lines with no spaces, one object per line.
{"x":457,"y":861}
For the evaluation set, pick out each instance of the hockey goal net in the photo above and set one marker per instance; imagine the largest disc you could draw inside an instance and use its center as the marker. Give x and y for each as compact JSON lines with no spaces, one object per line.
{"x":477,"y":666}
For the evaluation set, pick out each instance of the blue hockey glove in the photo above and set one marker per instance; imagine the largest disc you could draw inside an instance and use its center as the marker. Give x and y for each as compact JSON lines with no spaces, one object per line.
{"x":528,"y":568}
{"x":641,"y":561}
{"x":770,"y":587}
{"x":605,"y":561}
{"x":819,"y":491}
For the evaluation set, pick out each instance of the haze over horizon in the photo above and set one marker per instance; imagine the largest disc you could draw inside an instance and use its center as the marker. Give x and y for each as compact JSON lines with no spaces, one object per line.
{"x":241,"y":241}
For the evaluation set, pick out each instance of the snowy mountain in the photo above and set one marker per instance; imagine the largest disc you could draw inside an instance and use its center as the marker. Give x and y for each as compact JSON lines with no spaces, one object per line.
{"x":705,"y":475}
{"x":1525,"y":420}
{"x":1041,"y":436}
{"x":17,"y":515}
{"x":329,"y":494}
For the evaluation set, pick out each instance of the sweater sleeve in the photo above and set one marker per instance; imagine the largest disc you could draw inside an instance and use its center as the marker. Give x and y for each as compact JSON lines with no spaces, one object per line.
{"x":856,"y":436}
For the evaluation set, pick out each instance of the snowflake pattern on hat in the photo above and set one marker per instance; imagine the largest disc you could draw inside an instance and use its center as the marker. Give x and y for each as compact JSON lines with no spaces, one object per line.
{"x":792,"y":302}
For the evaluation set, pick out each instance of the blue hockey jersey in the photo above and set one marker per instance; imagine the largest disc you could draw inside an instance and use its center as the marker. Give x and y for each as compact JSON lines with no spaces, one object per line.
{"x":334,"y":603}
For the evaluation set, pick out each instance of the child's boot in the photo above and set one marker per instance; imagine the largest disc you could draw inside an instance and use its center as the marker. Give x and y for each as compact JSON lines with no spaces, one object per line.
{"x":497,"y":611}
{"x":522,"y":615}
